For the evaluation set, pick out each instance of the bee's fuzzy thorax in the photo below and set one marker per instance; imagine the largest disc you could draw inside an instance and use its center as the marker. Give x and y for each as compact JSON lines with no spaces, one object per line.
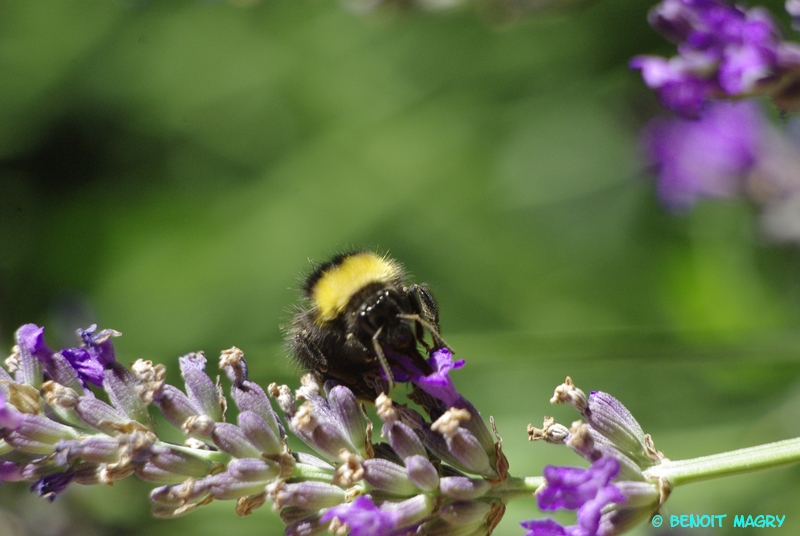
{"x":335,"y":283}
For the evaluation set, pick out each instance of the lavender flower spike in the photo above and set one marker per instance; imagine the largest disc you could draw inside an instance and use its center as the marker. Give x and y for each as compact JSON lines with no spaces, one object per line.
{"x":724,"y":51}
{"x":619,"y":450}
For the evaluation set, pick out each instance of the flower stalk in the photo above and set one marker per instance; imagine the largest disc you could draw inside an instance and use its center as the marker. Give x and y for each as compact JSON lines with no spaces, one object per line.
{"x":729,"y":463}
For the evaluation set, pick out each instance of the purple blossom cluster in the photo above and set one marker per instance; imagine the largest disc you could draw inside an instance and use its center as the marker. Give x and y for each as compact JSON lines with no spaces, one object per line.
{"x":431,"y":476}
{"x":724,"y":51}
{"x":610,"y":496}
{"x":438,"y":472}
{"x":731,"y":151}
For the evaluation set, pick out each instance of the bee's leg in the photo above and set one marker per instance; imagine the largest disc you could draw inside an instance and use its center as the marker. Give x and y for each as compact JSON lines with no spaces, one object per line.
{"x":438,"y":341}
{"x":382,"y":358}
{"x":426,"y":306}
{"x":426,"y":317}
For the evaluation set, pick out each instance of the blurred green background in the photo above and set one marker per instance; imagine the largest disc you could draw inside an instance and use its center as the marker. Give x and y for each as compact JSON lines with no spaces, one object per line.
{"x":169,"y":169}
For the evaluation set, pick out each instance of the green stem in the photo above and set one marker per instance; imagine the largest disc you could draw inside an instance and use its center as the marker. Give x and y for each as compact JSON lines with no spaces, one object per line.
{"x":728,"y":463}
{"x":514,"y":487}
{"x":213,"y":456}
{"x":306,"y":471}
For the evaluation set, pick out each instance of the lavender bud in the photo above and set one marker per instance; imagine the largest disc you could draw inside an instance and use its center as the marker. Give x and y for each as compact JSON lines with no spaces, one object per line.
{"x":463,"y":488}
{"x":422,"y":473}
{"x":253,"y":470}
{"x":411,"y":510}
{"x":123,"y":391}
{"x":201,"y":390}
{"x":99,"y":449}
{"x":348,"y":414}
{"x":388,"y":476}
{"x":175,"y":405}
{"x":30,"y":346}
{"x":308,"y":495}
{"x":403,"y":440}
{"x":612,"y":420}
{"x":477,"y":426}
{"x":628,"y":468}
{"x":177,"y":500}
{"x":225,"y":486}
{"x":44,"y":430}
{"x":321,"y":435}
{"x":259,"y":433}
{"x":179,"y":462}
{"x":461,"y":513}
{"x":250,"y":396}
{"x":232,"y":440}
{"x":103,"y":417}
{"x":150,"y":472}
{"x":469,"y":452}
{"x":22,"y":443}
{"x":462,"y":448}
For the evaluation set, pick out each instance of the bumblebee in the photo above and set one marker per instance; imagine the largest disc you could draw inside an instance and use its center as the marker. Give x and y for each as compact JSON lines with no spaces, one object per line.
{"x":362,"y":326}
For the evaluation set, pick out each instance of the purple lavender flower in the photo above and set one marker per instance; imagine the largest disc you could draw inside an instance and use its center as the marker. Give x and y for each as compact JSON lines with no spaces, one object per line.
{"x":31,"y":337}
{"x":99,"y":345}
{"x":34,"y":355}
{"x":724,"y":50}
{"x":586,"y":490}
{"x":363,"y":517}
{"x":50,"y":486}
{"x":708,"y":157}
{"x":89,"y":369}
{"x":439,"y":384}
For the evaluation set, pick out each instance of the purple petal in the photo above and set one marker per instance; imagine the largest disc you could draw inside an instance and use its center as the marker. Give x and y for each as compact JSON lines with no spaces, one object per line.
{"x":32,"y":337}
{"x":439,"y":384}
{"x":88,"y":369}
{"x":50,"y":486}
{"x":543,"y":527}
{"x":572,"y":487}
{"x":704,"y":158}
{"x":363,"y":517}
{"x":99,"y":345}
